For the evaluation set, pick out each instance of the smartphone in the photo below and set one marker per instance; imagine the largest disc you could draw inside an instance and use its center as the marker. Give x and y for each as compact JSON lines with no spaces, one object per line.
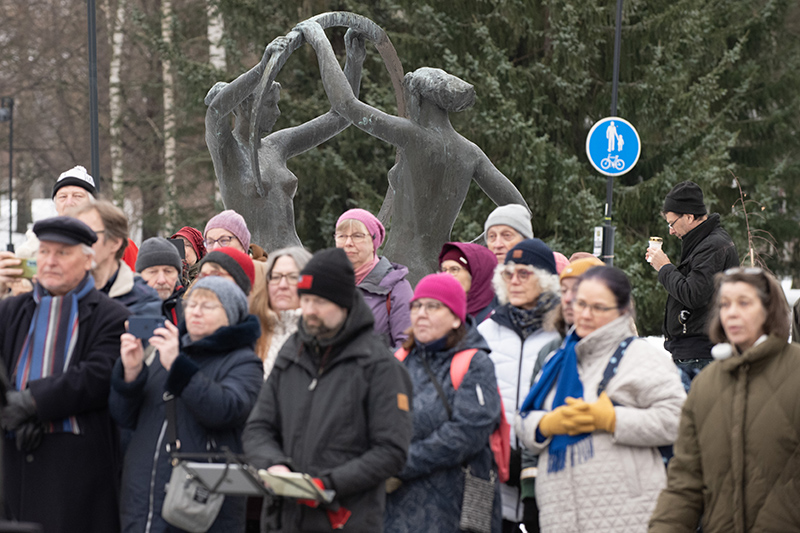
{"x":143,"y":326}
{"x":177,"y":242}
{"x":28,"y":267}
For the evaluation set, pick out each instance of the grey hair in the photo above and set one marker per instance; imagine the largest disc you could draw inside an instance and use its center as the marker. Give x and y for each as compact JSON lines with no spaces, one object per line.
{"x":300,"y":255}
{"x":547,"y":282}
{"x":87,"y":250}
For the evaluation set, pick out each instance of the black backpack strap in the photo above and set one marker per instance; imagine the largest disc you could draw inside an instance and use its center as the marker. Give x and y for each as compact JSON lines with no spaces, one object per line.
{"x":438,"y":386}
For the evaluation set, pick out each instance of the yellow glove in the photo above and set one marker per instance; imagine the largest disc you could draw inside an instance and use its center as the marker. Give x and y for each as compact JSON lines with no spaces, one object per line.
{"x":602,"y":411}
{"x":565,"y":420}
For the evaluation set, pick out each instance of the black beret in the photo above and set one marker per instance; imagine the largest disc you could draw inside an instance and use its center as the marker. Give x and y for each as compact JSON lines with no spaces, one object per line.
{"x":66,"y":230}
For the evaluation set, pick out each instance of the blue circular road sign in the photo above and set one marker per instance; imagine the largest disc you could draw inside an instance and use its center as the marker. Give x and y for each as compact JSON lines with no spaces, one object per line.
{"x":613,"y":146}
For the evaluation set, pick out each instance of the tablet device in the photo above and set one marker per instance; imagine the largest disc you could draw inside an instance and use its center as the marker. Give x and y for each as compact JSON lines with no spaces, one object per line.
{"x":237,"y":479}
{"x":295,"y":485}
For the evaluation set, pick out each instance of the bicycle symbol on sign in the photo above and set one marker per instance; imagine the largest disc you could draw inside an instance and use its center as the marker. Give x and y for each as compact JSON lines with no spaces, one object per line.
{"x":612,"y":161}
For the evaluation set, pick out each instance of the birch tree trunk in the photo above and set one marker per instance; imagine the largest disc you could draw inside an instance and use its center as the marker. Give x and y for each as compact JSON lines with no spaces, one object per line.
{"x":216,"y":54}
{"x":170,"y":144}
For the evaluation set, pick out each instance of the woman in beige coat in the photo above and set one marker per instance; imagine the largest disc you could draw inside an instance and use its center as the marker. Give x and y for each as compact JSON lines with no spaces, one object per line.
{"x":737,"y":457}
{"x":597,"y":414}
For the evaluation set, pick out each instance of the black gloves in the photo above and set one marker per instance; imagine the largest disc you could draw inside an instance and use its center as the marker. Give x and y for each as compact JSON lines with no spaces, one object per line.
{"x":19,"y":416}
{"x":20,"y":408}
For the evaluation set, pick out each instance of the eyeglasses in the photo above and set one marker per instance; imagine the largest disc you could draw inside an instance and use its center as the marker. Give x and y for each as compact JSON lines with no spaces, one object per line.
{"x":356,"y":237}
{"x":594,"y":309}
{"x":222,"y":241}
{"x":524,"y":274}
{"x":291,"y":279}
{"x":429,"y":307}
{"x":670,"y":224}
{"x":453,"y":270}
{"x":205,"y":306}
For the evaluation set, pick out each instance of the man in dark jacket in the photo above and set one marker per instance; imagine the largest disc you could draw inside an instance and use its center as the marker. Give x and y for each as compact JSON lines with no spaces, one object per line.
{"x":160,"y":265}
{"x":58,"y":347}
{"x":335,"y":406}
{"x":706,"y":250}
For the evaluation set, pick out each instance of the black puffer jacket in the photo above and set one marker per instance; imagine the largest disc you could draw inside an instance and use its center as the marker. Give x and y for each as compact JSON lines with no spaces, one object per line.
{"x":346,"y":422}
{"x":706,"y":250}
{"x":215,"y":381}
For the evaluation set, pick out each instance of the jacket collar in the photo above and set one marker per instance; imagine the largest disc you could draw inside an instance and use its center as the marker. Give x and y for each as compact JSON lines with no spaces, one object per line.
{"x":605,"y":339}
{"x":755,"y":355}
{"x":695,"y":236}
{"x":225,"y":340}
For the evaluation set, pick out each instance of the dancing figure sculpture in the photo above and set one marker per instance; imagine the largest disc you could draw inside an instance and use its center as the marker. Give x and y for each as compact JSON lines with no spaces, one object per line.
{"x":252,"y":173}
{"x":435,"y":164}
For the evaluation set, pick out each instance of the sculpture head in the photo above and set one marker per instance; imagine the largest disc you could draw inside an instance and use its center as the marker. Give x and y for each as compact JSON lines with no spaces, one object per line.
{"x":446,"y":91}
{"x":268,"y":113}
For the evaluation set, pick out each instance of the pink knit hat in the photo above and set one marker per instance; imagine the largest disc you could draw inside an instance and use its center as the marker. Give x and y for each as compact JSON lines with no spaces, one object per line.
{"x":561,"y":261}
{"x":374,"y":226}
{"x":231,"y":221}
{"x":446,"y":289}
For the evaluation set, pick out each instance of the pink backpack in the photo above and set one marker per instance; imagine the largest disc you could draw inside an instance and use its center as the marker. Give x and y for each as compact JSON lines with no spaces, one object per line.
{"x":500,"y":439}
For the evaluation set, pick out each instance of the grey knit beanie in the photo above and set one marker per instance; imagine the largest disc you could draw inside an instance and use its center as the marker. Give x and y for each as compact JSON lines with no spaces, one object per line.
{"x":157,"y":251}
{"x":513,"y":215}
{"x":229,"y":294}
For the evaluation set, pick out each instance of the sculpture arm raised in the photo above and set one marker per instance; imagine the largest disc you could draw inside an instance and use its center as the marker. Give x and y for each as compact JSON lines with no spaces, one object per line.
{"x":299,"y":139}
{"x":386,"y":127}
{"x":234,"y":93}
{"x":495,"y":184}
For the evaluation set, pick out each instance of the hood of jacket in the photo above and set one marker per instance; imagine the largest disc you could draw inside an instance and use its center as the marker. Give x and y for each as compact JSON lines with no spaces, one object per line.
{"x":382,"y":279}
{"x":482,"y":263}
{"x":223,"y":341}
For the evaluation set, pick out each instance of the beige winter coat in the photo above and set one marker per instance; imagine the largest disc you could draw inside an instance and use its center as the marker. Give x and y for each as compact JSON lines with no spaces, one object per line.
{"x":615,"y":491}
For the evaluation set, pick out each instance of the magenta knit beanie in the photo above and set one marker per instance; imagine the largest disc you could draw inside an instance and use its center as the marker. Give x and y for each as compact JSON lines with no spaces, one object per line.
{"x":231,"y":221}
{"x":446,"y":289}
{"x":374,"y":226}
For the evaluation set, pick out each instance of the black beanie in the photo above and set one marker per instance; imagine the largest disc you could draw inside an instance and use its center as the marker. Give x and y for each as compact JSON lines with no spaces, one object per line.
{"x":686,"y":198}
{"x":329,"y":274}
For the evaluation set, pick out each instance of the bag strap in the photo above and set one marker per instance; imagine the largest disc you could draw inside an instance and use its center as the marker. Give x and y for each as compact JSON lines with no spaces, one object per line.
{"x":438,"y":387}
{"x":459,"y":366}
{"x":171,"y":415}
{"x":613,"y":363}
{"x":389,"y":304}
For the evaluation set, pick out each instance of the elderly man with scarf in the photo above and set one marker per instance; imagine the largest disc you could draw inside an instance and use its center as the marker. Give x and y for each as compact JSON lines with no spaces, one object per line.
{"x":58,"y":347}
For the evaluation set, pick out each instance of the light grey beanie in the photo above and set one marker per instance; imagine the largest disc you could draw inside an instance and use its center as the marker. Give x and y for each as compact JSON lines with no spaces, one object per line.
{"x":157,"y":251}
{"x":513,"y":215}
{"x":229,"y":294}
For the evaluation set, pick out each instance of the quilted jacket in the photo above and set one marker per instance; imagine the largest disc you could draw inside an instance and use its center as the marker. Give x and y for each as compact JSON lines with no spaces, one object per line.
{"x":614,"y":491}
{"x":737,"y":457}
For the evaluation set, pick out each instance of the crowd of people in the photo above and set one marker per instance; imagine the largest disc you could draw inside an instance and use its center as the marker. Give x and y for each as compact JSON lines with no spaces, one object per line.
{"x":509,"y":389}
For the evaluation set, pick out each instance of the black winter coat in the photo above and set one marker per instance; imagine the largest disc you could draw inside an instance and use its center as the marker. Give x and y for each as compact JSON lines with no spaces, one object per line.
{"x":346,"y":422}
{"x":215,"y":381}
{"x":706,"y":250}
{"x":71,"y":482}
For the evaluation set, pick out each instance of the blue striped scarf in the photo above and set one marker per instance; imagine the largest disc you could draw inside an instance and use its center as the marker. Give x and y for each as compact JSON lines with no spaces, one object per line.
{"x":47,"y":350}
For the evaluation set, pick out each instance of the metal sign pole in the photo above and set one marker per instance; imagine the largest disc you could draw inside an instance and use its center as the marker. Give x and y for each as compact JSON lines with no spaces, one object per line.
{"x":93,"y":113}
{"x":7,"y":114}
{"x":608,"y":229}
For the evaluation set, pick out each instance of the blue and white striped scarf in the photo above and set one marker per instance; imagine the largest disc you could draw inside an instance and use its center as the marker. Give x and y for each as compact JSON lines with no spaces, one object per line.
{"x":47,"y":350}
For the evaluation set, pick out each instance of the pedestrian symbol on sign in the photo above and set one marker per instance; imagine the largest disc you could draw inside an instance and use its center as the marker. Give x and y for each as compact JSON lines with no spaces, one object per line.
{"x":613,"y":146}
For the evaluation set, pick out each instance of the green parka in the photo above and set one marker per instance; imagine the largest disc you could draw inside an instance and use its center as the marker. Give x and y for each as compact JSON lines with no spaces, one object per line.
{"x":737,"y":457}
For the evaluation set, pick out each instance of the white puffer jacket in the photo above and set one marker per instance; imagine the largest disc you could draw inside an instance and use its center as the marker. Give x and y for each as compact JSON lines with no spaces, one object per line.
{"x":513,"y":365}
{"x":616,"y":490}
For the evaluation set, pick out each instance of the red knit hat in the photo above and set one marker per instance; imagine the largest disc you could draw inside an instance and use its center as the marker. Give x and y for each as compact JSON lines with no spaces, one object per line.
{"x":237,"y":264}
{"x":446,"y":289}
{"x":195,"y":238}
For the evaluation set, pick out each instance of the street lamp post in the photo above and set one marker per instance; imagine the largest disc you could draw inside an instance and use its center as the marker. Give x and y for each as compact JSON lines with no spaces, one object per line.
{"x":7,"y":115}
